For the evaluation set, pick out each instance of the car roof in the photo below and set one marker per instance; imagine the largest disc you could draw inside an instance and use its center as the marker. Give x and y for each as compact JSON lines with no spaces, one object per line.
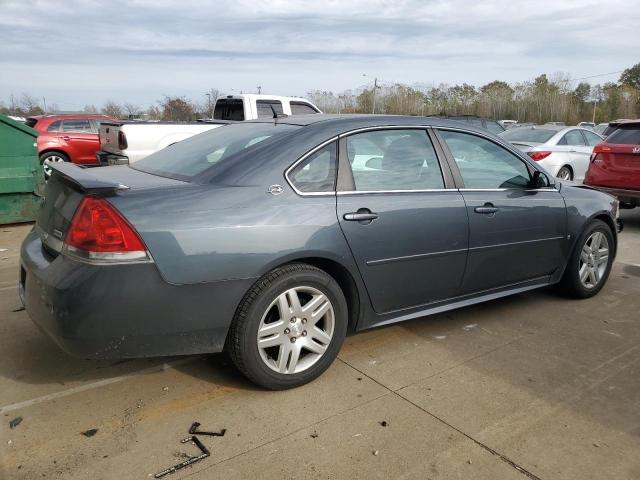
{"x":61,"y":116}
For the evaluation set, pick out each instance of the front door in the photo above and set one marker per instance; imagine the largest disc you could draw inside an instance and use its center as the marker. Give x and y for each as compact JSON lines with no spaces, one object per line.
{"x":517,"y":233}
{"x":407,"y":231}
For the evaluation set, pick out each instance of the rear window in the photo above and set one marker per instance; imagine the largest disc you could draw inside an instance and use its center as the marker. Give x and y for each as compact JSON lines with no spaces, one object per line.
{"x":31,"y":122}
{"x":494,"y":127}
{"x":625,"y":135}
{"x":189,"y":158}
{"x":534,"y":135}
{"x":229,"y":109}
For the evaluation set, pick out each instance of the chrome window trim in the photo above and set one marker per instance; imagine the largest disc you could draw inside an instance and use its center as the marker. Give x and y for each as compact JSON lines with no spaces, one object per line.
{"x":369,"y":192}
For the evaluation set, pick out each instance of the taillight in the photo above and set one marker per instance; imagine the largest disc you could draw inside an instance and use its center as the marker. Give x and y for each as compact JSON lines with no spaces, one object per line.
{"x":122,"y":141}
{"x":537,"y":156}
{"x":599,"y":148}
{"x":99,"y":232}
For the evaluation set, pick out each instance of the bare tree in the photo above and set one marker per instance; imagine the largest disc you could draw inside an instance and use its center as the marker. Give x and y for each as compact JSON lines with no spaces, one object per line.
{"x":131,"y":109}
{"x":112,"y":109}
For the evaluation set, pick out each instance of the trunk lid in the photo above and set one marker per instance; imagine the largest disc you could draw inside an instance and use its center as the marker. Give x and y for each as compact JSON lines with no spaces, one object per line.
{"x":69,"y":184}
{"x":111,"y":136}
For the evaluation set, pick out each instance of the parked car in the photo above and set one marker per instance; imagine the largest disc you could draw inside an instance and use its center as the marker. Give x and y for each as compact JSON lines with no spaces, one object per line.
{"x":506,"y":124}
{"x":250,"y":106}
{"x":615,"y":164}
{"x":67,"y":138}
{"x":601,"y":128}
{"x":263,"y":238}
{"x":587,"y":125}
{"x":557,"y":124}
{"x":611,"y":126}
{"x":562,"y":151}
{"x":127,"y":142}
{"x":487,"y":124}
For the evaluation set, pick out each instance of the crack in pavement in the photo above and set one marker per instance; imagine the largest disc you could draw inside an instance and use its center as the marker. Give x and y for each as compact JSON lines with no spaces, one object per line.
{"x":502,"y":457}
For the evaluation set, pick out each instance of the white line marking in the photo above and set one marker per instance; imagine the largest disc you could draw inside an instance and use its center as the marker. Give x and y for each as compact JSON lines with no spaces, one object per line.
{"x":98,"y":384}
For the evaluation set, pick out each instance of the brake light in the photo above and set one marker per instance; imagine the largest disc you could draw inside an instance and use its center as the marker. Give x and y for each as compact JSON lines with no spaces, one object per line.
{"x":537,"y":156}
{"x":99,"y":232}
{"x":122,"y":141}
{"x":600,"y":148}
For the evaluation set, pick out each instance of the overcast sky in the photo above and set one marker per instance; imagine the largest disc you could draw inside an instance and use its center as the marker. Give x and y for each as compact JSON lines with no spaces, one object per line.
{"x":85,"y":52}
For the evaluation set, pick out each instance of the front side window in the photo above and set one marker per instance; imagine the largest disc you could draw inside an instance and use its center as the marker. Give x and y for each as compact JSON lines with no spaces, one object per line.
{"x":299,"y":108}
{"x":385,"y":160}
{"x":78,"y":126}
{"x":484,"y":164}
{"x":317,"y":172}
{"x":267,"y":107}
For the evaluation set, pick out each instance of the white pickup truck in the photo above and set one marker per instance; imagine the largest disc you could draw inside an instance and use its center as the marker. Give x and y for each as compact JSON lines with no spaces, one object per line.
{"x":128,"y":142}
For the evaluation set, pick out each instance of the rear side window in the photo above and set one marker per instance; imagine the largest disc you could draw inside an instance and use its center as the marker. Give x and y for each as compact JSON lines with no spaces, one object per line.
{"x":386,"y":160}
{"x":625,"y":135}
{"x":229,"y":109}
{"x":316,"y":173}
{"x":55,"y":126}
{"x":494,"y":127}
{"x":485,"y":165}
{"x":31,"y":122}
{"x":267,"y":107}
{"x":78,"y":126}
{"x":299,"y":108}
{"x":573,"y":138}
{"x":592,"y":138}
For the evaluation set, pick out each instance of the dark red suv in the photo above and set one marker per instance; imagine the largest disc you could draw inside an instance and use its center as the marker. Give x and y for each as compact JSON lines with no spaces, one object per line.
{"x":67,"y":138}
{"x":615,"y":164}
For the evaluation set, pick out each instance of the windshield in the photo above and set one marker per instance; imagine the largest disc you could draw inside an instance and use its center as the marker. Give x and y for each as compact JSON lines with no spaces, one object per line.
{"x":187,"y":159}
{"x":534,"y":135}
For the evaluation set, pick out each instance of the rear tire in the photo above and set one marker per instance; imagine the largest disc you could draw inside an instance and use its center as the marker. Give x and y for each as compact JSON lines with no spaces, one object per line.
{"x":565,"y":173}
{"x":289,"y":327}
{"x":590,"y":263}
{"x":51,"y":157}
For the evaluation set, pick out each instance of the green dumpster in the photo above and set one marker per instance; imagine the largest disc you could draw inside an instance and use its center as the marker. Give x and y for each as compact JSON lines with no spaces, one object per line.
{"x":21,"y":177}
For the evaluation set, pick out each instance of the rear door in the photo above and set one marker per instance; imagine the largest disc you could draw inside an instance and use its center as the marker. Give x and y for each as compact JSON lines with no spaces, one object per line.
{"x":576,"y":151}
{"x":81,"y":139}
{"x":517,"y":233}
{"x":403,"y":219}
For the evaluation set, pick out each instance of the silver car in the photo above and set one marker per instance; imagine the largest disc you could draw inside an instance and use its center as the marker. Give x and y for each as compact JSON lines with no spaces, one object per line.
{"x":562,"y":151}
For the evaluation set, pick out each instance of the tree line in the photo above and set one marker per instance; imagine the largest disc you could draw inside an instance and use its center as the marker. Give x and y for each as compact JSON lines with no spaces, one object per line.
{"x":546,"y":98}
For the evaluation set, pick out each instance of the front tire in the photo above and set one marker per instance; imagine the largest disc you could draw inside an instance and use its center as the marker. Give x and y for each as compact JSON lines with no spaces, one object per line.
{"x":51,"y":157}
{"x":565,"y":173}
{"x":590,"y":263}
{"x":289,"y":327}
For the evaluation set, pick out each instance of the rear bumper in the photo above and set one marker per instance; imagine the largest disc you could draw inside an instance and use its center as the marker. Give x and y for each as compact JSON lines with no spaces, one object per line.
{"x":121,"y":311}
{"x":107,"y":158}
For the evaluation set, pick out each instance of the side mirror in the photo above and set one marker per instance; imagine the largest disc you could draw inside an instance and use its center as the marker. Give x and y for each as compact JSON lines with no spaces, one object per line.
{"x":540,"y":180}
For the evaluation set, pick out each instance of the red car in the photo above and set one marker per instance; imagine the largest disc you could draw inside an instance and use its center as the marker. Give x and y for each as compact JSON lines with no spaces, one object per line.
{"x":615,"y":164}
{"x":67,"y":138}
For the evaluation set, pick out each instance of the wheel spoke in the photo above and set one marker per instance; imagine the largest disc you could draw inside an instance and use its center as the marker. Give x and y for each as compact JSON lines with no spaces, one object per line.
{"x":592,"y":277}
{"x":295,"y":356}
{"x":584,"y":272}
{"x":320,"y":335}
{"x":294,"y":302}
{"x":272,"y":341}
{"x":283,"y":357}
{"x":603,"y":256}
{"x":283,"y":306}
{"x":584,"y":256}
{"x":596,"y":274}
{"x":316,"y":308}
{"x":315,"y":347}
{"x":266,"y":330}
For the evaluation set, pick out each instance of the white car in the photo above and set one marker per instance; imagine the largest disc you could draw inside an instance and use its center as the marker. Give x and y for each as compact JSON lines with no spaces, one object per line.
{"x":563,"y":151}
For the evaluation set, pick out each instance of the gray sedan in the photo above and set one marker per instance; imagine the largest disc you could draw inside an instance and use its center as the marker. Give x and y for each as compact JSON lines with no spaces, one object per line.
{"x":272,"y":239}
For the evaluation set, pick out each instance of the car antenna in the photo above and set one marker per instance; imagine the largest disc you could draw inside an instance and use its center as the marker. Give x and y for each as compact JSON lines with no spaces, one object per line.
{"x":277,"y":115}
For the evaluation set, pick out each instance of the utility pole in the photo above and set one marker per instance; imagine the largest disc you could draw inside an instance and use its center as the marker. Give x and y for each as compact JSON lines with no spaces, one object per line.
{"x":259,"y":89}
{"x":44,"y":101}
{"x":208,"y":104}
{"x":594,"y":111}
{"x":375,"y":86}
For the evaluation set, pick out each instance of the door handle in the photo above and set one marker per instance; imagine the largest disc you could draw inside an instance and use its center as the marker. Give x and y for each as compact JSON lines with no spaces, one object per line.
{"x":66,"y":137}
{"x":487,"y":209}
{"x":362,"y":215}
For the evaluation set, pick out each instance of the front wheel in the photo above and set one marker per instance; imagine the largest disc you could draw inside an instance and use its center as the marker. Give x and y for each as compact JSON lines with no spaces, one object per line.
{"x":590,"y":263}
{"x":565,"y":173}
{"x":46,"y":159}
{"x":289,"y":327}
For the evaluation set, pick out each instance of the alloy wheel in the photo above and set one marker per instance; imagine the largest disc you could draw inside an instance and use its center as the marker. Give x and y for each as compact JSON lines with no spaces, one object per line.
{"x":564,"y":174}
{"x":594,"y":259}
{"x":51,"y":159}
{"x":296,"y":330}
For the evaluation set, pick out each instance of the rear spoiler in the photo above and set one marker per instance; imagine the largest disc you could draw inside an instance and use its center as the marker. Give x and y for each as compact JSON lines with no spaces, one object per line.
{"x":82,"y":179}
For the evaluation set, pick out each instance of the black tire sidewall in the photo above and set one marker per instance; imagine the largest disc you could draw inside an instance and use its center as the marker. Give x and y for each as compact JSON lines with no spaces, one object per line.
{"x":254,"y":366}
{"x":573,"y":283}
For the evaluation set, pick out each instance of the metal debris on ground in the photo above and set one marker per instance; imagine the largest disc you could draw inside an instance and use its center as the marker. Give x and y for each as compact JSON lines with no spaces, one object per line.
{"x":90,"y":433}
{"x":15,"y":422}
{"x":193,"y":431}
{"x":189,"y":461}
{"x":384,"y":423}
